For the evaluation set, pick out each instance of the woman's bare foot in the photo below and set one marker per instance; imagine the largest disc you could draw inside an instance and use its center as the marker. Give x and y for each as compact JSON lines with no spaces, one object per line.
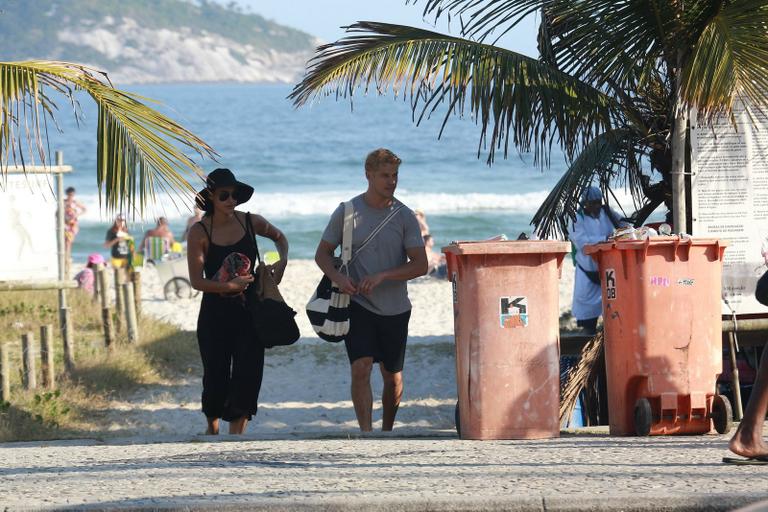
{"x":213,"y":427}
{"x":749,"y":443}
{"x":238,"y":426}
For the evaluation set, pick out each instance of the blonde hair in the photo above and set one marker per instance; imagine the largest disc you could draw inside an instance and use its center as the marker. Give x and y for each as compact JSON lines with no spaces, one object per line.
{"x":379,"y":157}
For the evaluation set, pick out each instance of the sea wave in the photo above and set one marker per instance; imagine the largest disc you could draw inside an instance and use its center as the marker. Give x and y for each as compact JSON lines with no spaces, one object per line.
{"x":284,"y":204}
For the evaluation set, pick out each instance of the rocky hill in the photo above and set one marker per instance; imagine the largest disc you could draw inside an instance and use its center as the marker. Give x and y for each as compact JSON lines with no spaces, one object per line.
{"x":142,"y":41}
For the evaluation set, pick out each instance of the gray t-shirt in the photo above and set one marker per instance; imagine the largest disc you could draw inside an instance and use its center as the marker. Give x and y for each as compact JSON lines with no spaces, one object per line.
{"x":384,"y":252}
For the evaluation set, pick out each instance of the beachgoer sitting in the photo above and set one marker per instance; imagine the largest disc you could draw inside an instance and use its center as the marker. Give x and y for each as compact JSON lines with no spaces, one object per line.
{"x":436,"y":260}
{"x":157,"y":241}
{"x":422,"y":218}
{"x":87,"y":277}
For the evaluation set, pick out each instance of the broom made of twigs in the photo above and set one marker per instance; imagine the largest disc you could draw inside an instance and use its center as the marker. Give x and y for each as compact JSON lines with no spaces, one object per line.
{"x":579,"y":376}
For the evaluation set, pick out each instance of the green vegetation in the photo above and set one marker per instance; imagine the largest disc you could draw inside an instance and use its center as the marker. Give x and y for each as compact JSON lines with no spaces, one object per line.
{"x":28,"y":28}
{"x":76,"y":408}
{"x":612,"y":86}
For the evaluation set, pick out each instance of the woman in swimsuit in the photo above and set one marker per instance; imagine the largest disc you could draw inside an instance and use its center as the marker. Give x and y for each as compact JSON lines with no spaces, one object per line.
{"x":72,"y":210}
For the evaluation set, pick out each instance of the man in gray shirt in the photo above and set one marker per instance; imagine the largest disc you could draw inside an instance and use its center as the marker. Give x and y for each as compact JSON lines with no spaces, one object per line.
{"x":379,"y":306}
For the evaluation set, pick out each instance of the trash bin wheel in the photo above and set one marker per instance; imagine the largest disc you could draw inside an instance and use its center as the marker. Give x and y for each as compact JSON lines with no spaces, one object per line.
{"x":643,"y":417}
{"x":722,"y":414}
{"x":178,"y":288}
{"x":457,"y":419}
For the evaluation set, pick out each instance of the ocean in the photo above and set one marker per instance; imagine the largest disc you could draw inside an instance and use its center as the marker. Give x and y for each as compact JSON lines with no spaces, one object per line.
{"x":304,"y":162}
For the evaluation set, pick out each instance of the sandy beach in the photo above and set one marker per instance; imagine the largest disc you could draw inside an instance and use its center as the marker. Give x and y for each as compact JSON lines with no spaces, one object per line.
{"x":432,"y":316}
{"x":306,"y":386}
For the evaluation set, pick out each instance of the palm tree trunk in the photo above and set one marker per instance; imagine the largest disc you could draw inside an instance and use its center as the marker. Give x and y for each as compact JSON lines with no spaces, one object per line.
{"x":679,"y":206}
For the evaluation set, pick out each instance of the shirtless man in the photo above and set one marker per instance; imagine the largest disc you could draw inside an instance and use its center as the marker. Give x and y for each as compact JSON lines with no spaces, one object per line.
{"x":161,"y":230}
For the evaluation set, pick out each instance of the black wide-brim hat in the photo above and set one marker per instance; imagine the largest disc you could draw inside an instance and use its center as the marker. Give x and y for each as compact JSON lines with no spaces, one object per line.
{"x":219,"y":178}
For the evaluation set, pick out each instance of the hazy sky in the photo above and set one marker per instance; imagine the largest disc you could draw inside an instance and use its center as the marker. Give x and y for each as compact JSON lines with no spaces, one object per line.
{"x":323,"y":18}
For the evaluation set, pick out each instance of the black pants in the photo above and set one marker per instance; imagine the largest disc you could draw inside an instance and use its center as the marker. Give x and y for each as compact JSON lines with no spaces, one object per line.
{"x":233,"y":359}
{"x":589,"y":325}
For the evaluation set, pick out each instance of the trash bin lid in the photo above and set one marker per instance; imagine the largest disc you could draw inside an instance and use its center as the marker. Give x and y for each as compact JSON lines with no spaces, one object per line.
{"x":508,"y":247}
{"x":636,"y":245}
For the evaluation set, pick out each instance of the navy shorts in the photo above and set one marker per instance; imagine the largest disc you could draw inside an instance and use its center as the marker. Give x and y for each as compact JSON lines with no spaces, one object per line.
{"x":381,"y":337}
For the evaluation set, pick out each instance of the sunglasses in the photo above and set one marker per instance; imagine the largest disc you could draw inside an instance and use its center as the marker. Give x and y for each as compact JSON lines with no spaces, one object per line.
{"x":225,"y":195}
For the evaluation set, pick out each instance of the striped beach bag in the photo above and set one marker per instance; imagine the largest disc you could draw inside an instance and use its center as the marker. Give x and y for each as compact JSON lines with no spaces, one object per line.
{"x":328,"y":309}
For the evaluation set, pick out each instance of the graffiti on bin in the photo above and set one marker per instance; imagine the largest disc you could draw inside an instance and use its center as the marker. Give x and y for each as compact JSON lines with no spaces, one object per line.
{"x":660,"y":281}
{"x":610,"y":284}
{"x":453,"y":287}
{"x":513,"y":312}
{"x":686,"y":282}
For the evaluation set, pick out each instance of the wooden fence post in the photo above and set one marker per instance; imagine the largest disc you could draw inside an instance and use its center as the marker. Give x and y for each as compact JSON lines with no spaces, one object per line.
{"x":96,"y":284}
{"x":65,"y":320}
{"x":67,"y":338}
{"x":118,"y":299}
{"x":46,"y":357}
{"x":29,"y":375}
{"x":106,"y":314}
{"x":130,"y":313}
{"x":136,"y":278}
{"x":5,"y":374}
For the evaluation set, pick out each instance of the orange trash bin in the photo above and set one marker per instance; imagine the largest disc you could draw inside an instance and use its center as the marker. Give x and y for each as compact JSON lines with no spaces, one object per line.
{"x":506,"y":323}
{"x":663,"y":334}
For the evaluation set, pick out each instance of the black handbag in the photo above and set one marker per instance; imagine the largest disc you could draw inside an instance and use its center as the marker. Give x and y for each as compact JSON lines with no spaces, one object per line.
{"x":273,"y":320}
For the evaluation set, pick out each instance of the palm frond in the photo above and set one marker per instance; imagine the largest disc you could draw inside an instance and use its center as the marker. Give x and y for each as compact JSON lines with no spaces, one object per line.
{"x":512,"y":97}
{"x":482,"y":18}
{"x":579,"y":376}
{"x":139,"y":150}
{"x":609,"y":158}
{"x":604,"y":40}
{"x":729,"y":60}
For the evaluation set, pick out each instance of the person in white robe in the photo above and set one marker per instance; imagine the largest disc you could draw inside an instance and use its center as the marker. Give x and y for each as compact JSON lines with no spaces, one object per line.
{"x":593,"y":224}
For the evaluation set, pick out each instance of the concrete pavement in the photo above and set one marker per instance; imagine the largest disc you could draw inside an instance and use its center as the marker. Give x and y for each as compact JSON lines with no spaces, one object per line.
{"x":588,"y":471}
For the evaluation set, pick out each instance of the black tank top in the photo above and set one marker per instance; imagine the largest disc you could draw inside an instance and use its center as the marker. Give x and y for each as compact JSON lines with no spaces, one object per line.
{"x":215,"y":255}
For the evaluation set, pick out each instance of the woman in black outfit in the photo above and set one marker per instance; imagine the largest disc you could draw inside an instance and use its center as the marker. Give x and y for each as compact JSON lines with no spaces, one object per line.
{"x":233,"y":359}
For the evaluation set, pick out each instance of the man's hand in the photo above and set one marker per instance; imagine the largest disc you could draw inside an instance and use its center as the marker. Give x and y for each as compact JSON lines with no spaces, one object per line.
{"x":369,"y":283}
{"x":345,"y":284}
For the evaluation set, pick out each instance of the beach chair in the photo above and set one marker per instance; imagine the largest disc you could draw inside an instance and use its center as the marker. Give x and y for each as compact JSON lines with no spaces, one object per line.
{"x":155,"y":247}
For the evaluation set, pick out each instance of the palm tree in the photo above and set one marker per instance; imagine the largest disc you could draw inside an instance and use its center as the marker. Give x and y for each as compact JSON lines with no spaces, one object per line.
{"x":139,"y":150}
{"x":612,"y":85}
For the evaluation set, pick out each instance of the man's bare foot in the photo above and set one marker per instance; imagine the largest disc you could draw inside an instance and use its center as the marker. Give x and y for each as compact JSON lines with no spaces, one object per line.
{"x":238,"y":426}
{"x":213,"y":427}
{"x":748,"y":443}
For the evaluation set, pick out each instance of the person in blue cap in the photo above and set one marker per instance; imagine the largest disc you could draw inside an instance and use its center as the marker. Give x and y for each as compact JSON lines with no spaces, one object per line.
{"x":593,"y":224}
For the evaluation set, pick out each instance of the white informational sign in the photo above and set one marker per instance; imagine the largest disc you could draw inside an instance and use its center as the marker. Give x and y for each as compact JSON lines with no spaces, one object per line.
{"x":730,"y":198}
{"x":28,"y":228}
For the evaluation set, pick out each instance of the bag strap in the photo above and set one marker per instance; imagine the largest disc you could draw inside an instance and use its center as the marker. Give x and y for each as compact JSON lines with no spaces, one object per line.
{"x":378,"y":229}
{"x":588,"y":272}
{"x":251,"y":236}
{"x":346,"y":237}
